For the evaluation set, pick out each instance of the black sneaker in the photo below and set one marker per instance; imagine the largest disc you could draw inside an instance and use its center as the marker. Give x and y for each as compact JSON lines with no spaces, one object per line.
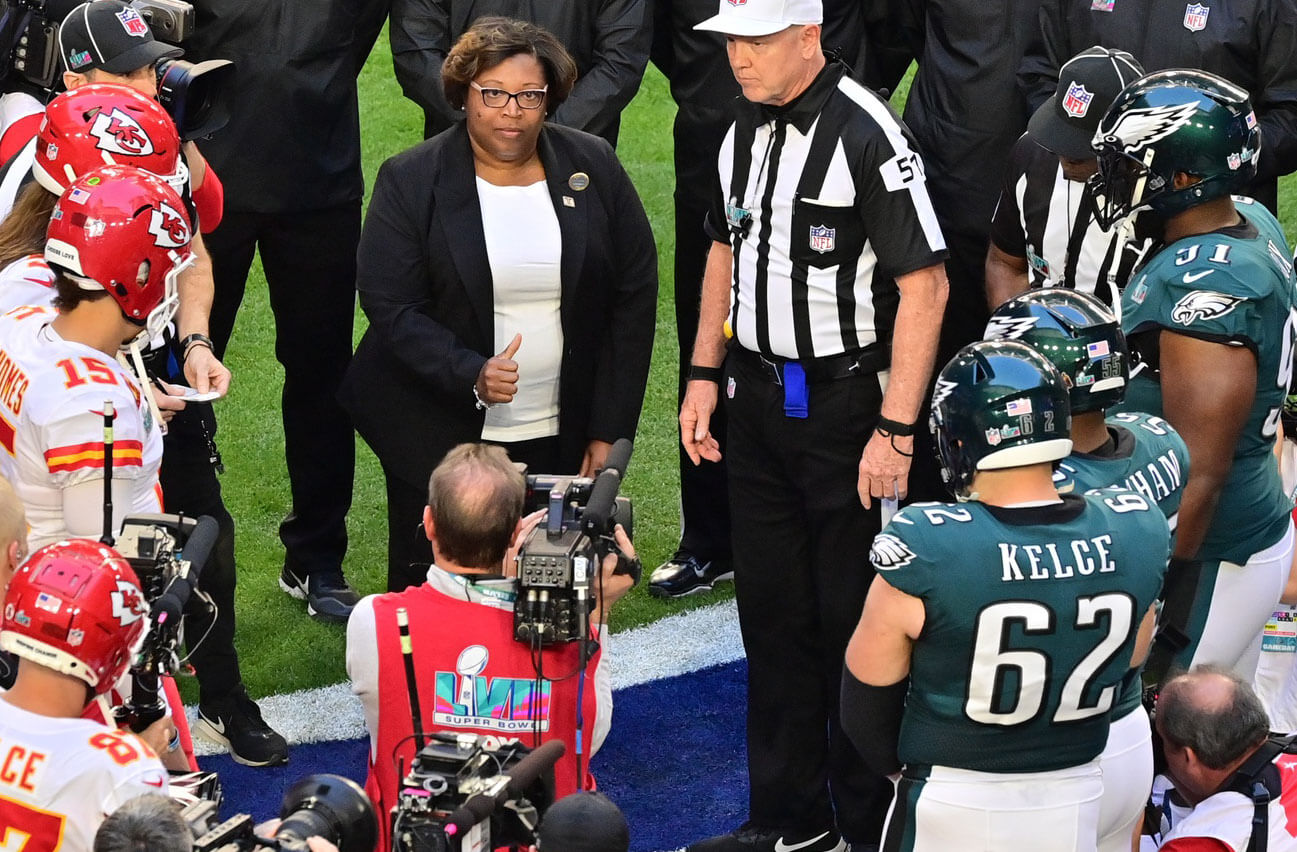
{"x":327,"y":595}
{"x":235,"y":722}
{"x":686,"y":574}
{"x":749,"y":838}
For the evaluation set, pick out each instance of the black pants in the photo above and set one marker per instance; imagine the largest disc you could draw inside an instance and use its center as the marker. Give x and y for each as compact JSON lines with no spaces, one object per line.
{"x":704,"y":500}
{"x":310,"y":264}
{"x":801,"y":573}
{"x":190,"y":486}
{"x":408,"y":550}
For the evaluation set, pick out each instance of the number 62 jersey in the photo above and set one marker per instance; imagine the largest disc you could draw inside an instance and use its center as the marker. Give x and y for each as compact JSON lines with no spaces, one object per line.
{"x":1030,"y":622}
{"x":52,"y":394}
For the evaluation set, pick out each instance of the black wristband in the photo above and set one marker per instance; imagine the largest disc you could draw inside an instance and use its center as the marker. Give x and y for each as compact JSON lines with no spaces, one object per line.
{"x":704,"y":374}
{"x":189,"y":341}
{"x":893,"y":427}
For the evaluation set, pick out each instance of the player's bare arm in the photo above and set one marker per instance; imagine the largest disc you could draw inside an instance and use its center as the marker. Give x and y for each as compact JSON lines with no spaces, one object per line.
{"x":1006,"y":276}
{"x":709,"y":351}
{"x":1207,"y":393}
{"x":885,"y":463}
{"x":879,"y":651}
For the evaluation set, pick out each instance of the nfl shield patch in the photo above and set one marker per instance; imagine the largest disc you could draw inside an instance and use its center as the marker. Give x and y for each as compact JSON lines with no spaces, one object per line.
{"x":132,"y":22}
{"x":1235,"y":161}
{"x":993,"y":437}
{"x":823,"y":239}
{"x":1195,"y":17}
{"x":1076,"y":102}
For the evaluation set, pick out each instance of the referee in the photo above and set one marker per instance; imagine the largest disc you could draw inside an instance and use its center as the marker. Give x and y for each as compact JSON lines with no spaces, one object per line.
{"x":825,"y":250}
{"x":1044,"y":232}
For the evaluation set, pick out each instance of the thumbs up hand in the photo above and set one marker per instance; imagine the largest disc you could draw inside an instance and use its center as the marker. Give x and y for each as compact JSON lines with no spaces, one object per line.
{"x":498,"y":381}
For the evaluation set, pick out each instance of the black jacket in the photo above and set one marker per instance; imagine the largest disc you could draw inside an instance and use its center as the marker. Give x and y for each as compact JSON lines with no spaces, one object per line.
{"x":1251,"y":43}
{"x":609,"y":39}
{"x":425,"y":285}
{"x":293,"y":141}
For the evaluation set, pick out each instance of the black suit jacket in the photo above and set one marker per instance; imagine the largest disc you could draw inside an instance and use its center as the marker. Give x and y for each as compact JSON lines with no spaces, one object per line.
{"x":425,"y":285}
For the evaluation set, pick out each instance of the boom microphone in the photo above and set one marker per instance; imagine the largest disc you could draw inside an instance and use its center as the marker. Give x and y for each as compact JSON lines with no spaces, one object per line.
{"x":603,"y":494}
{"x":198,"y":548}
{"x":521,"y":776}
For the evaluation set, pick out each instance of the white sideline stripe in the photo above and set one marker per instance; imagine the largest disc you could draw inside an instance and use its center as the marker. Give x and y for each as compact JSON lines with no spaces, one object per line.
{"x":675,"y":645}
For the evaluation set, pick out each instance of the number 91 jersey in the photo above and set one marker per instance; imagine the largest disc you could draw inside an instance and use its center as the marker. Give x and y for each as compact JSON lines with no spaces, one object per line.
{"x":1234,"y":287}
{"x":1030,"y":622}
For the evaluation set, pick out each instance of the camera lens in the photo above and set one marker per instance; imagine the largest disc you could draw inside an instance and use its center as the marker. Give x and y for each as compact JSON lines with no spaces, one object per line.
{"x":331,"y":807}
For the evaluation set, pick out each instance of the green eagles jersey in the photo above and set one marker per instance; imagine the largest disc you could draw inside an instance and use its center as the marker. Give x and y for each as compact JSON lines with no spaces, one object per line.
{"x":1029,"y":625}
{"x":1148,"y":457}
{"x":1233,"y":286}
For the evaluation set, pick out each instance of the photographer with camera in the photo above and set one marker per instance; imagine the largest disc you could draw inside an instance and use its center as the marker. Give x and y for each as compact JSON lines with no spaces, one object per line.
{"x":153,"y":823}
{"x":461,"y":630}
{"x":74,"y":614}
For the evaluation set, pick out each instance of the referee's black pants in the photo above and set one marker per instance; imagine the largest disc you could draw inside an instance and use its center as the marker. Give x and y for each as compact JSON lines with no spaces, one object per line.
{"x":310,"y":263}
{"x":801,"y":562}
{"x":704,"y":504}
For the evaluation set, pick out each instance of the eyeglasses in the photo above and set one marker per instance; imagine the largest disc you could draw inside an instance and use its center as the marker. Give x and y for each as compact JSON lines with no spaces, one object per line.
{"x":498,"y":98}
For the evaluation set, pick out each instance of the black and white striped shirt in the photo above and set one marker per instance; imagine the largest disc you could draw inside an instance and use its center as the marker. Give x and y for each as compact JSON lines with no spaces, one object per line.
{"x":824,"y":204}
{"x":1039,"y":217}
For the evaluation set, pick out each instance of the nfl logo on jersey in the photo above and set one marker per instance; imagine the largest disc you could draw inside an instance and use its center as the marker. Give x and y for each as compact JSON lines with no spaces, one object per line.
{"x":1077,"y":100}
{"x":823,"y":239}
{"x":1195,"y":17}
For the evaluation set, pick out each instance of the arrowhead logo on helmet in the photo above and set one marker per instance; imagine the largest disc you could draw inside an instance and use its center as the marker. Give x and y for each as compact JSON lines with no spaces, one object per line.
{"x":120,"y":133}
{"x":168,"y":227}
{"x":128,"y":603}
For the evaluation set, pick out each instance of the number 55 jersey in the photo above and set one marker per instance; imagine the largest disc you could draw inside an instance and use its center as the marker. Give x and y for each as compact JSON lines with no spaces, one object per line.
{"x":52,"y":395}
{"x":1031,"y":615}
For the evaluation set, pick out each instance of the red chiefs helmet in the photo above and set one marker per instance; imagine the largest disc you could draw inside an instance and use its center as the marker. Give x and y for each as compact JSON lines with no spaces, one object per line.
{"x":103,"y":124}
{"x":127,"y":232}
{"x":76,"y":607}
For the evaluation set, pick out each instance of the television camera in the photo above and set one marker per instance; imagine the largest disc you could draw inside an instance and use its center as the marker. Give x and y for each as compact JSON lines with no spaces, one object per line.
{"x":561,"y":557}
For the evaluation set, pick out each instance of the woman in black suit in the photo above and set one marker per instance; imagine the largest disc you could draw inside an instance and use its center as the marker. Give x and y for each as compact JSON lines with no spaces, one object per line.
{"x":509,"y":276}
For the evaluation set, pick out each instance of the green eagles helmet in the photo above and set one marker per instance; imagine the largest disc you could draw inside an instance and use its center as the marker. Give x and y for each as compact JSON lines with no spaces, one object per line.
{"x":998,"y":404}
{"x":1079,"y":334}
{"x":1168,"y":122}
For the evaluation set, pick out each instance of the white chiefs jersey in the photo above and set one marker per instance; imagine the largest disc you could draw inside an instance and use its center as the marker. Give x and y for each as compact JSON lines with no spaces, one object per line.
{"x":59,"y":779}
{"x":52,"y":395}
{"x":28,"y":281}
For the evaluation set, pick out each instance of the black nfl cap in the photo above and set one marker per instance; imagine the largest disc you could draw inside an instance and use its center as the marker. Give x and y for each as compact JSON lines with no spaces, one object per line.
{"x":583,"y":822}
{"x":111,"y":36}
{"x":1088,"y":83}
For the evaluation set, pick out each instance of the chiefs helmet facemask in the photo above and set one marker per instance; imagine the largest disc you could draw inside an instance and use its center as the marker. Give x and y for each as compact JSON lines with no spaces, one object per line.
{"x":106,"y":124}
{"x":76,"y":607}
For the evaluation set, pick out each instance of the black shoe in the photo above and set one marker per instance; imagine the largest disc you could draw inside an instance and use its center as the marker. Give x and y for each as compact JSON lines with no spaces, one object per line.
{"x":749,"y":838}
{"x":327,"y":595}
{"x":685,"y":574}
{"x":235,"y":722}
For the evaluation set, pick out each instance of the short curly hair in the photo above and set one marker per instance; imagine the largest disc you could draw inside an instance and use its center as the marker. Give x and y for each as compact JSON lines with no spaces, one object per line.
{"x":492,"y":40}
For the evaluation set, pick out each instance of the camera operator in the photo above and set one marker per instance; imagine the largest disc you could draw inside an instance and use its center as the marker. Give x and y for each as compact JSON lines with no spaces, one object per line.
{"x":149,"y":823}
{"x":462,"y":629}
{"x":583,"y":822}
{"x":73,"y":615}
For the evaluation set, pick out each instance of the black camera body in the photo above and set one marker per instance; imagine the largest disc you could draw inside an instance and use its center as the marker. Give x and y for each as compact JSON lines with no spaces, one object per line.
{"x":450,"y":770}
{"x":561,"y":558}
{"x":327,"y":806}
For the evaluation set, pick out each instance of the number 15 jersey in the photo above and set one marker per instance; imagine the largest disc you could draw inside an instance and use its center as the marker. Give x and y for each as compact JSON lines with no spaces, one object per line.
{"x":52,"y":394}
{"x":1030,"y":616}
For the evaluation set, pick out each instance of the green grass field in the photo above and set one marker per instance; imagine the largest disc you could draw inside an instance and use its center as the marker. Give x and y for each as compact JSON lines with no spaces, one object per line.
{"x":283,"y":649}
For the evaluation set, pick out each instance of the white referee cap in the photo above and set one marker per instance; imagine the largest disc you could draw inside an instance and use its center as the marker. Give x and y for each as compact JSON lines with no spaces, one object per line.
{"x":762,"y":17}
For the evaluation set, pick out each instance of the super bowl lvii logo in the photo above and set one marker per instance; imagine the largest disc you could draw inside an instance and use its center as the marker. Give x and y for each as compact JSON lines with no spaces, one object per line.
{"x":469,"y":698}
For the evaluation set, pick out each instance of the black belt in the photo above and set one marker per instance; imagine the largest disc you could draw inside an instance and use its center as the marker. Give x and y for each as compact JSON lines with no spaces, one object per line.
{"x":873,"y":359}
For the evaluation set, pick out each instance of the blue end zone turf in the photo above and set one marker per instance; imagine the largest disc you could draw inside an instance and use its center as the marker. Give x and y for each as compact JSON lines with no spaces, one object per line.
{"x":674,"y":761}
